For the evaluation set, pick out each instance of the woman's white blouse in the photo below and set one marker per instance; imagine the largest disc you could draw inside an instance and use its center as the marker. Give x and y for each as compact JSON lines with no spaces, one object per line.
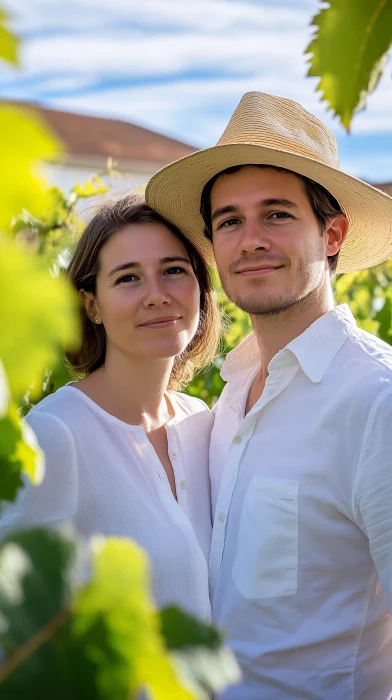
{"x":104,"y":476}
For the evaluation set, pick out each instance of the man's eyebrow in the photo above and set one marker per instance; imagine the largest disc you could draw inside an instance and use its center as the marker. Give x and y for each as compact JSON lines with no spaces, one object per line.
{"x":162,"y":261}
{"x":229,"y":209}
{"x":274,"y":202}
{"x":270,"y":202}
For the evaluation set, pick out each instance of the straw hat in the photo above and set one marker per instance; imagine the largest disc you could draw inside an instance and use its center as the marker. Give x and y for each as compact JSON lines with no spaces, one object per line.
{"x":266,"y":129}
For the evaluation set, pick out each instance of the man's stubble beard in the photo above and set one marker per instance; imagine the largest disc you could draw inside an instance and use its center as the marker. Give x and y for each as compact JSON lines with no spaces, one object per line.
{"x":256,"y":305}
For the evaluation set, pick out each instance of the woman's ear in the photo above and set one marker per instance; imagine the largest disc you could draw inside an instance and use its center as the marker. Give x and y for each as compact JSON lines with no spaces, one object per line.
{"x":88,"y":301}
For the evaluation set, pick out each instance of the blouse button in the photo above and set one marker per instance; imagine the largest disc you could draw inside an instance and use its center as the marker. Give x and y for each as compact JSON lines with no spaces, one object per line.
{"x":173,"y":455}
{"x":238,"y":439}
{"x":221,"y":517}
{"x":183,"y":484}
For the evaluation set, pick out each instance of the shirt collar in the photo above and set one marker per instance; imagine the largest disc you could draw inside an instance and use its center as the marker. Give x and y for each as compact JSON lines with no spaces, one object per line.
{"x":314,"y":349}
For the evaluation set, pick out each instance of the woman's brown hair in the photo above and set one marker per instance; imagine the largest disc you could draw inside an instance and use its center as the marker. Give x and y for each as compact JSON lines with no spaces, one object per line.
{"x":84,"y":266}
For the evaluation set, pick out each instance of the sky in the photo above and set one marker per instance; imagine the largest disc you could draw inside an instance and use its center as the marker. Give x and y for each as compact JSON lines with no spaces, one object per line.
{"x":180,"y":67}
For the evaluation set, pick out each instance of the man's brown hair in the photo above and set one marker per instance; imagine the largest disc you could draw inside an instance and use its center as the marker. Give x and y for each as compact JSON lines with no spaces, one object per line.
{"x":84,"y":266}
{"x":323,"y":204}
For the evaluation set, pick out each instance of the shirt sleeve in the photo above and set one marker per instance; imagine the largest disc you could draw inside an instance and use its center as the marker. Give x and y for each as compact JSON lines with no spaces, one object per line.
{"x":55,"y":499}
{"x":373,"y":489}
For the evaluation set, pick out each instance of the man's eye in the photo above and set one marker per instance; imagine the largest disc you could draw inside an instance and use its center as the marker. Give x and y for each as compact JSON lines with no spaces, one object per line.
{"x":228,"y":222}
{"x":281,"y":215}
{"x":125,"y":278}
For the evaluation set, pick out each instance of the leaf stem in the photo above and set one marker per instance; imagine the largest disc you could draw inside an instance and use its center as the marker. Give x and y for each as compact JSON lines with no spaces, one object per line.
{"x":35,"y":642}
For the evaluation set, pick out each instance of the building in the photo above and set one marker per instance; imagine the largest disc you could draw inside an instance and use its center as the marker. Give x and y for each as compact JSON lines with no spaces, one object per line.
{"x":88,"y":143}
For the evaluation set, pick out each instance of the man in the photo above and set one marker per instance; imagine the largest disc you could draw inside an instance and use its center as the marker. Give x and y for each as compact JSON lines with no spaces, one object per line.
{"x":301,"y":452}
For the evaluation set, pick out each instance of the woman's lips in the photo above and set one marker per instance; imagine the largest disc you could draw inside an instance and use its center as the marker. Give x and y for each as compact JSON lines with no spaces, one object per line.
{"x":160,"y":323}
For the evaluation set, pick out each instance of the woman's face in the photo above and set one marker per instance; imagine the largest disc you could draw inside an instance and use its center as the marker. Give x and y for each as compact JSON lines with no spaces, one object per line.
{"x":147,"y":294}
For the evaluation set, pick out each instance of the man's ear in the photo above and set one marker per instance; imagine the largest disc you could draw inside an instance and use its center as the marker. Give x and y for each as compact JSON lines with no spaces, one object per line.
{"x":88,"y":301}
{"x":336,"y":232}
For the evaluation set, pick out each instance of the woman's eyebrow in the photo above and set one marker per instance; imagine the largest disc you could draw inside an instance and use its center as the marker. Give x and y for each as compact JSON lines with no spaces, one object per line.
{"x":124,"y":266}
{"x":162,"y":261}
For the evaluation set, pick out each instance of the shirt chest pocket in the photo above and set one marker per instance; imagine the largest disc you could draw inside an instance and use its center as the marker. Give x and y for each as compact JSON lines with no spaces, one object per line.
{"x":266,"y":563}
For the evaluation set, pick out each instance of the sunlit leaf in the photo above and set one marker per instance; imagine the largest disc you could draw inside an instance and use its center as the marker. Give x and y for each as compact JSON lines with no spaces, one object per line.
{"x":38,"y":315}
{"x":36,"y":580}
{"x":116,"y":605}
{"x":24,"y":141}
{"x":9,"y":43}
{"x":91,"y":188}
{"x":198,"y":652}
{"x":19,"y":453}
{"x":348,"y":52}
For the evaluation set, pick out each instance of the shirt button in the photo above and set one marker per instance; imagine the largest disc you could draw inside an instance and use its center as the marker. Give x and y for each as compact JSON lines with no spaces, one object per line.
{"x":238,"y":439}
{"x":183,"y":484}
{"x":221,"y":517}
{"x":173,"y":455}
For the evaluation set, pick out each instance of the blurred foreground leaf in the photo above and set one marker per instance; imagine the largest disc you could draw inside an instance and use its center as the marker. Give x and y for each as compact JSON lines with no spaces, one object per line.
{"x":198,"y":653}
{"x":66,"y":639}
{"x":348,"y":52}
{"x":9,"y":43}
{"x":38,"y":317}
{"x":19,"y":453}
{"x":24,"y":140}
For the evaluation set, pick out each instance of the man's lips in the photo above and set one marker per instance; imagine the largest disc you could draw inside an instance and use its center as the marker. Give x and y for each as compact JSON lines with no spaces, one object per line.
{"x":257,"y":270}
{"x":163,"y":322}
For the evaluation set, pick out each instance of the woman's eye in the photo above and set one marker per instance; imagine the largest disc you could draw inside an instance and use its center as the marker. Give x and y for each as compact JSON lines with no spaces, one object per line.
{"x":125,"y":278}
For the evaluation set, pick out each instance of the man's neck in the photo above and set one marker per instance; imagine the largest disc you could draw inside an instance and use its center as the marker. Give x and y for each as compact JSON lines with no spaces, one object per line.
{"x":275,"y":331}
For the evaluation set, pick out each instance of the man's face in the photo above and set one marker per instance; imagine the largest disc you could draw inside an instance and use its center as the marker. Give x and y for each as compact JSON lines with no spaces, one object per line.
{"x":267,"y":242}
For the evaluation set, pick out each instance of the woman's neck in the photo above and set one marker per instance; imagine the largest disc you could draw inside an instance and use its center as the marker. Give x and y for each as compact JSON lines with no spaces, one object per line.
{"x":131,"y":390}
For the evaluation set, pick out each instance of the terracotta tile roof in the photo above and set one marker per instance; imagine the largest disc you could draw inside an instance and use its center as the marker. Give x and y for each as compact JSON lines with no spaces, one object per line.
{"x":83,"y":135}
{"x":385,"y":186}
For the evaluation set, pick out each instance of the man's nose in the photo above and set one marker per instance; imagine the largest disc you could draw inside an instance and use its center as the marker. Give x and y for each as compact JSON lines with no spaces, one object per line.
{"x":254,"y":236}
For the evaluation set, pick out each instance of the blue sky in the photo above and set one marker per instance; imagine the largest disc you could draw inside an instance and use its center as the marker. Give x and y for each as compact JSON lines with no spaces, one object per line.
{"x":181,"y":66}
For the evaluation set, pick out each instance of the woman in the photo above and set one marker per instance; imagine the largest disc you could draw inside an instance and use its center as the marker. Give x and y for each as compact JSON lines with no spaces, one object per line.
{"x":126,"y":454}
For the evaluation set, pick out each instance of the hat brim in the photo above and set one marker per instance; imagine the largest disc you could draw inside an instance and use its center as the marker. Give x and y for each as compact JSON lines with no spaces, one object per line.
{"x":175,"y":193}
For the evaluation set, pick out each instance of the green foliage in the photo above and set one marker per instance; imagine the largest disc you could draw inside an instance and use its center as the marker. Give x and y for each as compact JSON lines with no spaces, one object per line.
{"x":9,"y":43}
{"x":67,"y":638}
{"x":198,"y":653}
{"x":24,"y":141}
{"x":19,"y":453}
{"x":236,"y":325}
{"x":369,"y":295}
{"x":38,"y":315}
{"x":348,"y":52}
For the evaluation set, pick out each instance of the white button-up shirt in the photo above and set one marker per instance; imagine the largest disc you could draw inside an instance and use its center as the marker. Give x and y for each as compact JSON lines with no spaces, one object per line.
{"x":105,"y":477}
{"x":301,"y":557}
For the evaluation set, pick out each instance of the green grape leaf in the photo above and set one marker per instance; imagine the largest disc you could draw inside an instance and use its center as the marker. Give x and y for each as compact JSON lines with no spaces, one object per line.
{"x":39,"y":315}
{"x":9,"y":43}
{"x":204,"y":664}
{"x":24,"y":141}
{"x":19,"y":453}
{"x":116,"y":610}
{"x":92,"y":188}
{"x":348,"y":52}
{"x":181,"y":631}
{"x":37,"y":575}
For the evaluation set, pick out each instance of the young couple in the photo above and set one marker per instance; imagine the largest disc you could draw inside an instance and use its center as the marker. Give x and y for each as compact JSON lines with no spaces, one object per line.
{"x":295,"y":465}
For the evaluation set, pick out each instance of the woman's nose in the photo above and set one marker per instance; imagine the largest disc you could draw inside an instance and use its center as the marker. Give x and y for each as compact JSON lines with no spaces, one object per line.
{"x":156,"y":293}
